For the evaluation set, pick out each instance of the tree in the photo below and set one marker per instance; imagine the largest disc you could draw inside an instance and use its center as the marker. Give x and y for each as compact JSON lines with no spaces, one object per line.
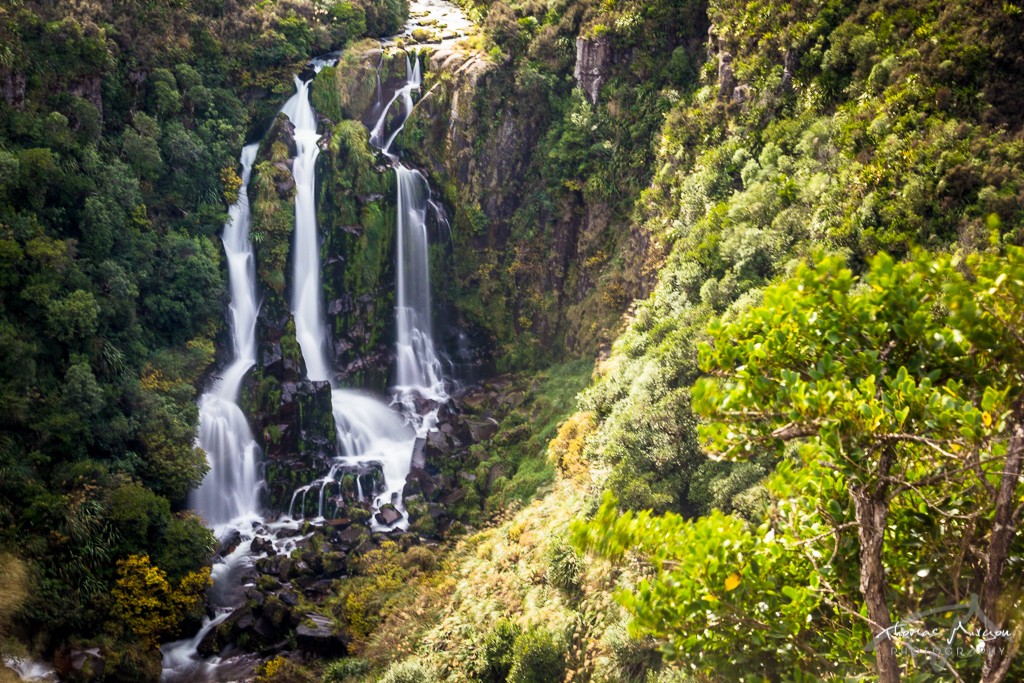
{"x":147,"y":606}
{"x":907,"y":383}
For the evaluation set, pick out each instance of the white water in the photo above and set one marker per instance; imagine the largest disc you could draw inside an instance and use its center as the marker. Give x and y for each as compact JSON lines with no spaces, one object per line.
{"x":418,"y":369}
{"x":307,"y":308}
{"x":30,"y":670}
{"x":231,"y":488}
{"x":369,"y":433}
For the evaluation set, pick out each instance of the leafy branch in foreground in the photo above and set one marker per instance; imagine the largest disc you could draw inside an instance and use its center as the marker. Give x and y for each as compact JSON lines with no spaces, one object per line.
{"x":903,"y":389}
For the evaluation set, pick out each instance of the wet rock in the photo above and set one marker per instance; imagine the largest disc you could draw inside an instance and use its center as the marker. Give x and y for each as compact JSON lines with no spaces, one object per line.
{"x":288,"y":598}
{"x":419,"y":456}
{"x":262,"y":544}
{"x":255,"y":597}
{"x":439,"y":442}
{"x":79,"y":665}
{"x":316,"y":634}
{"x":419,"y":482}
{"x":388,"y":515}
{"x":286,"y":568}
{"x":276,"y":612}
{"x":270,"y":566}
{"x":481,"y":430}
{"x":454,"y":497}
{"x":333,"y":565}
{"x":265,"y":629}
{"x":352,"y":536}
{"x":210,"y":644}
{"x":498,"y":471}
{"x":229,"y":542}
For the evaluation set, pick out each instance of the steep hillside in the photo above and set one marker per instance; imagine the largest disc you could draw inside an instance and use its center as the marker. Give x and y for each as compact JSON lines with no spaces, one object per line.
{"x":728,"y":296}
{"x":797,"y":130}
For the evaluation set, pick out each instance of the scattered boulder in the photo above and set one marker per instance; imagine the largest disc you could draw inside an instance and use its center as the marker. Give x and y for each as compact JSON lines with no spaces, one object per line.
{"x":388,"y":515}
{"x":229,"y":542}
{"x":316,"y":634}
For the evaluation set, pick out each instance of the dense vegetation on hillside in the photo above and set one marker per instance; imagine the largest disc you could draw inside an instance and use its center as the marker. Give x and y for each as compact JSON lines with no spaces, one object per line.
{"x":815,"y":146}
{"x":120,"y":127}
{"x":808,"y":427}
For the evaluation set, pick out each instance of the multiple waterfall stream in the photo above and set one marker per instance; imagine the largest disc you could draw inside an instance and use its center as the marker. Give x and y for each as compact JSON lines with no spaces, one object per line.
{"x":371,"y":432}
{"x":230,"y":490}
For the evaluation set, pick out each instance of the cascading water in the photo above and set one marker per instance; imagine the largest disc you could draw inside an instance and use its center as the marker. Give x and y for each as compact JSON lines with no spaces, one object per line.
{"x":229,"y":495}
{"x":231,"y":488}
{"x":418,"y":368}
{"x":418,"y":371}
{"x":368,"y":432}
{"x":306,"y":306}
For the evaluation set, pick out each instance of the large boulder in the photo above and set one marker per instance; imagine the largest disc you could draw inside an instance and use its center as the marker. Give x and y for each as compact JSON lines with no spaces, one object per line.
{"x":316,"y":634}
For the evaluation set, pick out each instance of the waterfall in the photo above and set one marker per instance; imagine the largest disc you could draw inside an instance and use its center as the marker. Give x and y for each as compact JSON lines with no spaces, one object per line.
{"x":231,"y":487}
{"x":369,"y":433}
{"x":418,"y":369}
{"x":229,"y":494}
{"x":307,"y":309}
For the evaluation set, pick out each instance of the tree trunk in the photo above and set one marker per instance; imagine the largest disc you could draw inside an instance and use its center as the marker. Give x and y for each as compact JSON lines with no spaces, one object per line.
{"x":871,"y":506}
{"x":1004,"y":525}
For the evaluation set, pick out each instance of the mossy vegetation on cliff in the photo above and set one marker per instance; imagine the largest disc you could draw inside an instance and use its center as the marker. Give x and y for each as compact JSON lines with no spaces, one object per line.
{"x":850,"y":127}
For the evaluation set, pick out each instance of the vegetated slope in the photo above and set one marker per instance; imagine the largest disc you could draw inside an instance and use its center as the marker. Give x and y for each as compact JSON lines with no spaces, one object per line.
{"x":120,"y":128}
{"x":850,"y":128}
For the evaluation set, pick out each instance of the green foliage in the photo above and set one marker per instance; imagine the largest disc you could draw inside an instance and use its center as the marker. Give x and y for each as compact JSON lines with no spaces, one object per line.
{"x":140,"y":516}
{"x":408,"y":671}
{"x":497,"y":652}
{"x":120,"y":128}
{"x":346,"y":670}
{"x":147,"y":607}
{"x":522,"y":438}
{"x":565,"y":567}
{"x":538,"y":656}
{"x":898,"y":381}
{"x":186,"y":544}
{"x":632,"y":659}
{"x":541,"y":255}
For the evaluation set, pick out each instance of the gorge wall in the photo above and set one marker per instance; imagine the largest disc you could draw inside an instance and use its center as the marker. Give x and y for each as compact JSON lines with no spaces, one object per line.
{"x":541,"y":181}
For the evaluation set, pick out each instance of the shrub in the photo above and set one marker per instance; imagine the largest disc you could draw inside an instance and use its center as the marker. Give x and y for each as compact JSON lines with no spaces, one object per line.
{"x":496,"y":652}
{"x":631,"y":659}
{"x":537,"y":657}
{"x":565,"y":566}
{"x":409,"y":671}
{"x":345,"y":670}
{"x":280,"y":669}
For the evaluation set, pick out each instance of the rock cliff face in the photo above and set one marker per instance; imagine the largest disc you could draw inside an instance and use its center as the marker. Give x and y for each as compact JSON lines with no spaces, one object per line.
{"x":594,"y":56}
{"x":12,"y":86}
{"x":540,"y":267}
